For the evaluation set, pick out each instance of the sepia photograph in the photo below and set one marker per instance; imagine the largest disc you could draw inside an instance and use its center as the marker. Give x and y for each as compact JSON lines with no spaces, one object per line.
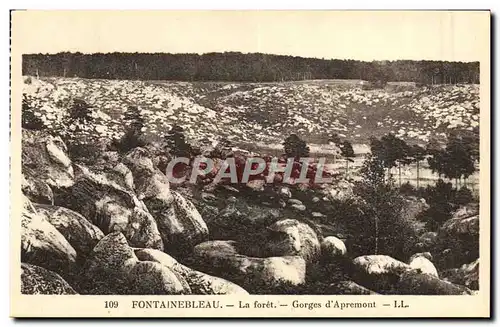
{"x":171,"y":154}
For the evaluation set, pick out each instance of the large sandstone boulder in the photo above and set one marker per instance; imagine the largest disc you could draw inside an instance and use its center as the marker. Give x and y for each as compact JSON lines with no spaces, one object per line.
{"x":111,"y":207}
{"x":78,"y":231}
{"x":290,"y":237}
{"x":461,"y":225}
{"x":461,"y":235}
{"x":423,"y":263}
{"x":221,"y":258}
{"x":43,"y":245}
{"x":113,"y":268}
{"x":378,"y":272}
{"x":179,"y":222}
{"x":153,"y":278}
{"x":38,"y":280}
{"x":349,"y":287}
{"x":415,"y":283}
{"x":199,"y":282}
{"x":107,"y":268}
{"x":36,"y":190}
{"x":45,"y":157}
{"x":467,"y":275}
{"x":332,"y":247}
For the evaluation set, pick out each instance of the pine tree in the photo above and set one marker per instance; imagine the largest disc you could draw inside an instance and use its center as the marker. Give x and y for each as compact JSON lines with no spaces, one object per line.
{"x":348,"y":153}
{"x":295,"y":147}
{"x":176,"y":143}
{"x":133,"y":119}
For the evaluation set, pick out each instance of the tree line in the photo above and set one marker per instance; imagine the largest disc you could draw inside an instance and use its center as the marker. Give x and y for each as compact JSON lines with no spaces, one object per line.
{"x":236,"y":66}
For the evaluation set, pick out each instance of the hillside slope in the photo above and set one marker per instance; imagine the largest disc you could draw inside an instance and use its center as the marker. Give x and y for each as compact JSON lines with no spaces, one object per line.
{"x":261,"y":112}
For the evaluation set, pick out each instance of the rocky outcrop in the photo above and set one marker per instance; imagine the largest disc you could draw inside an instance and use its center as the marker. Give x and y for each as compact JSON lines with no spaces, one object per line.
{"x":415,"y":283}
{"x":111,"y":208}
{"x":179,"y":222}
{"x":467,"y":275}
{"x":43,"y":245}
{"x":113,"y":268}
{"x":220,"y":258}
{"x":290,"y":237}
{"x":199,"y":282}
{"x":37,"y":280}
{"x":461,"y":225}
{"x":76,"y":229}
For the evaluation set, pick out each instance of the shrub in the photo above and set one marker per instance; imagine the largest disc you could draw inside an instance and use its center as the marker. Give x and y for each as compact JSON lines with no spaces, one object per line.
{"x":130,"y":140}
{"x":463,"y":196}
{"x":28,"y":117}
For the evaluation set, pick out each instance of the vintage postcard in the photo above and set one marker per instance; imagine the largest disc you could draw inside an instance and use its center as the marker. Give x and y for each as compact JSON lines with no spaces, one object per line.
{"x":250,"y":163}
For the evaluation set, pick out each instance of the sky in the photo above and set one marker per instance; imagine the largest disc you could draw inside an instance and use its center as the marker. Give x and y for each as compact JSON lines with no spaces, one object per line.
{"x":379,"y":35}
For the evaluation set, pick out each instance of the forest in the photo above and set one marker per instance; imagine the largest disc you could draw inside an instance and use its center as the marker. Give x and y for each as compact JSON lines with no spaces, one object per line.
{"x":236,"y":66}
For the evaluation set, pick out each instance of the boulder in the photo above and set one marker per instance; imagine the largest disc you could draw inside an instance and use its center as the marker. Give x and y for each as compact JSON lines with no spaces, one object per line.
{"x":193,"y":229}
{"x":220,"y":258}
{"x":290,"y":237}
{"x":294,"y":201}
{"x":111,"y":207}
{"x":179,"y":222}
{"x":76,"y":229}
{"x":153,"y":278}
{"x":113,"y":268}
{"x":349,"y":287}
{"x":36,"y":190}
{"x":107,"y":269}
{"x":428,"y":239}
{"x":240,"y":216}
{"x":378,"y":272}
{"x":422,"y":262}
{"x":45,"y":157}
{"x":414,"y":283}
{"x":468,"y":225}
{"x":461,"y":236}
{"x":285,"y":192}
{"x":467,"y":275}
{"x":332,"y":247}
{"x":37,"y":280}
{"x":199,"y":282}
{"x":298,"y":207}
{"x":43,"y":245}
